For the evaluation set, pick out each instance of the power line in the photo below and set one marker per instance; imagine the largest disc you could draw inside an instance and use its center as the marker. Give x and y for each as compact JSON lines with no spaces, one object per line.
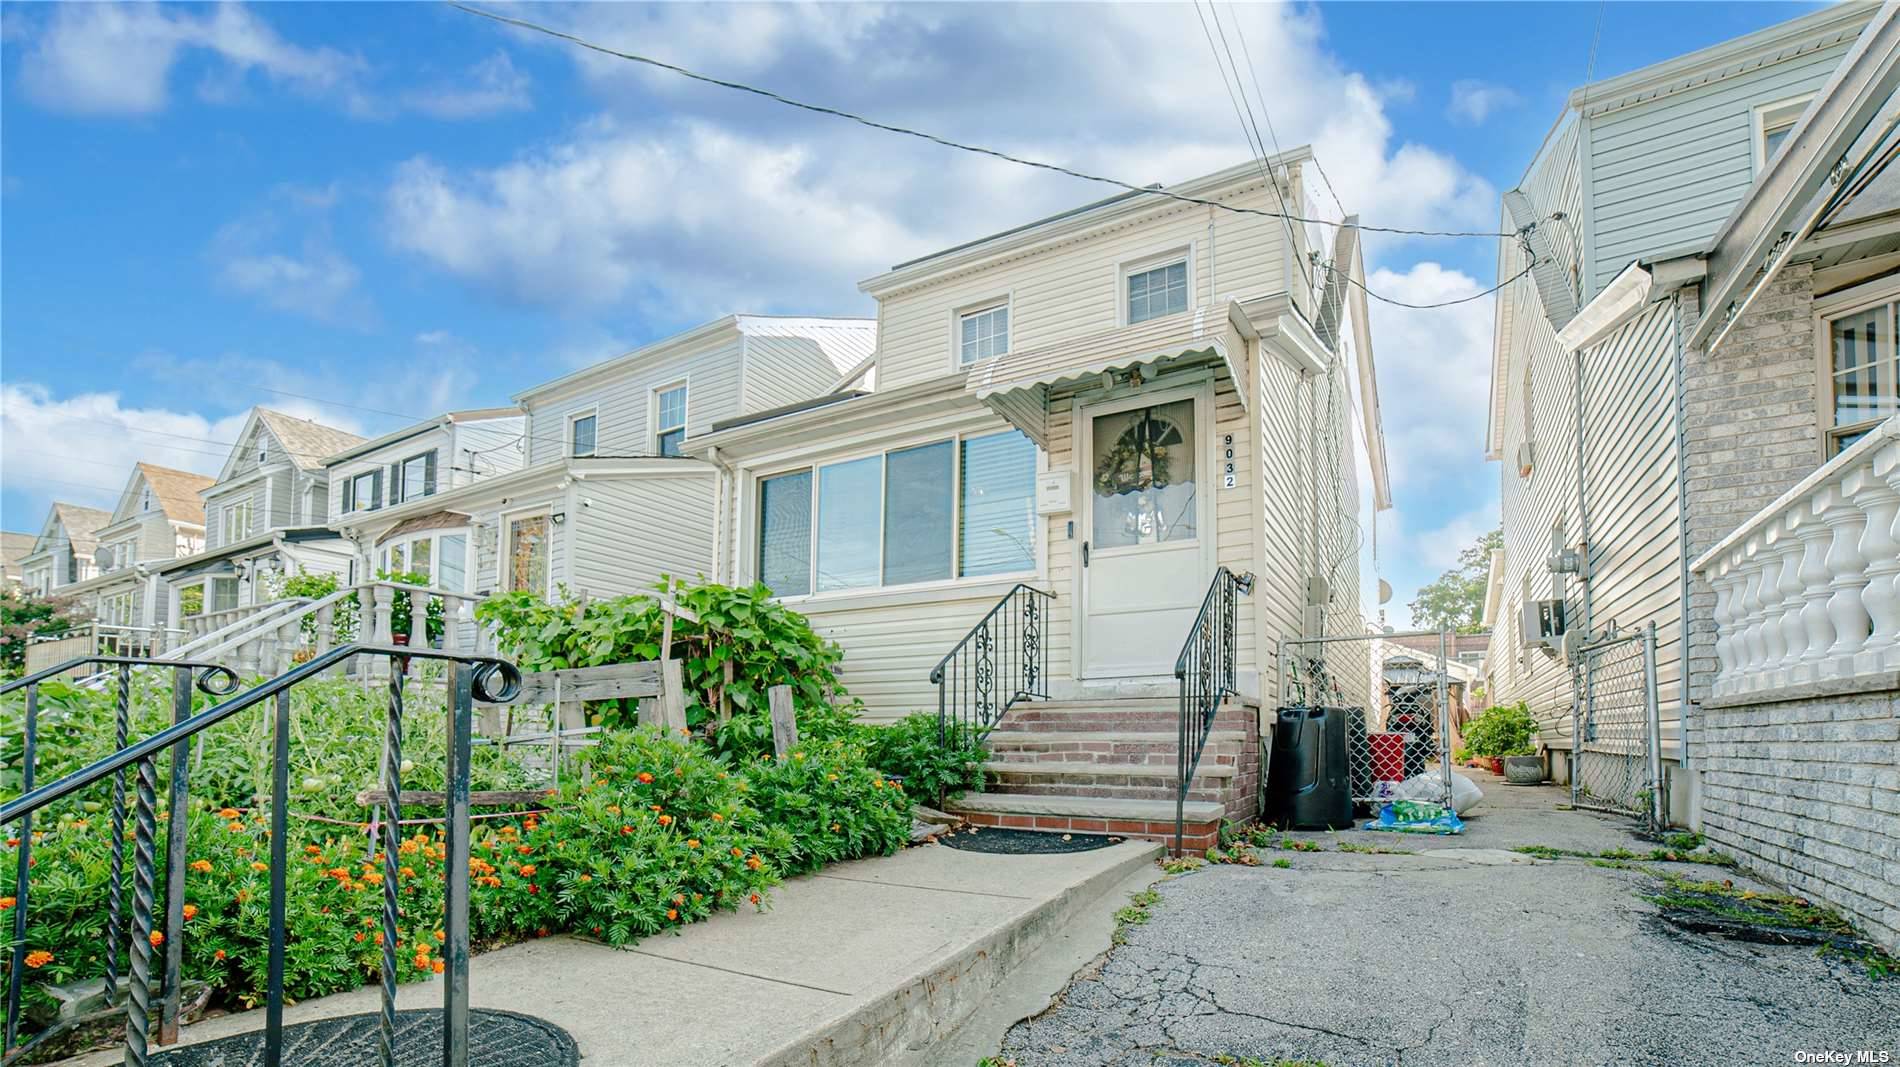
{"x":1347,"y":274}
{"x":946,"y":142}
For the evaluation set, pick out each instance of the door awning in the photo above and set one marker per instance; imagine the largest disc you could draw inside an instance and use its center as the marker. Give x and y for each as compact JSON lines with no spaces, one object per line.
{"x":440,"y":520}
{"x":1016,"y":385}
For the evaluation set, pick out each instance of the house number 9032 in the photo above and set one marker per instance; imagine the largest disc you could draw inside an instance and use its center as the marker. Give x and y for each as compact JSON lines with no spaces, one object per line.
{"x":1227,"y":461}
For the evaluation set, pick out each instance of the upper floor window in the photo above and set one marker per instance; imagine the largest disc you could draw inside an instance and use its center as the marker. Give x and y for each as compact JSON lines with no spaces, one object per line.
{"x":237,"y":521}
{"x":418,"y":477}
{"x":363,"y":492}
{"x":580,"y":434}
{"x":669,"y":420}
{"x":1862,"y":372}
{"x":1160,"y":291}
{"x":145,"y":500}
{"x":982,"y":333}
{"x":1773,"y":123}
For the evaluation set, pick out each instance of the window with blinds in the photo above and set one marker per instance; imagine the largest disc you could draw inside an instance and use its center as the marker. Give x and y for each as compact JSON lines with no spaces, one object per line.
{"x":1864,"y":376}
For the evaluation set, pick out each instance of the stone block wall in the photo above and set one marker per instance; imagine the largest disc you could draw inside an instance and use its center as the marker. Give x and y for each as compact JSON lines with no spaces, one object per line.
{"x":1807,"y":792}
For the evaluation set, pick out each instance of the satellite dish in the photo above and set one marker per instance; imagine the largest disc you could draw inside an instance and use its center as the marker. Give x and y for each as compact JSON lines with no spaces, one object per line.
{"x":1385,"y":591}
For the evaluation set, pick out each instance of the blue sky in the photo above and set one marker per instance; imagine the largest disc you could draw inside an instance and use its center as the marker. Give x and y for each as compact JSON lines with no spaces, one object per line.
{"x":364,"y":213}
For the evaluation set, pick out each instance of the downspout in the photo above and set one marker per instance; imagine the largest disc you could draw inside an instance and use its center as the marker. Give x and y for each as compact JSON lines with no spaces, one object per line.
{"x":722,"y":534}
{"x":1682,"y":530}
{"x":1583,"y":503}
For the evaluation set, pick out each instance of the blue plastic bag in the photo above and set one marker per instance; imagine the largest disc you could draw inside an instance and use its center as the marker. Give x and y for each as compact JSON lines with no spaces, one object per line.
{"x":1413,"y":817}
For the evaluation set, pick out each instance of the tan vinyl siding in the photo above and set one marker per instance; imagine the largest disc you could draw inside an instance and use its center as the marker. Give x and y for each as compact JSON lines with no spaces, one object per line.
{"x":889,"y":650}
{"x":1075,"y":288}
{"x":1664,"y":174}
{"x":632,"y":530}
{"x":624,"y":401}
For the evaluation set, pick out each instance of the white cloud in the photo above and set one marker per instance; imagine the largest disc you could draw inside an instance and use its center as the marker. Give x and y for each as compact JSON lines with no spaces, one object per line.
{"x":1473,"y":101}
{"x":81,"y":448}
{"x":732,"y":201}
{"x":490,"y":87}
{"x":312,"y":279}
{"x":1434,"y":373}
{"x":117,"y":59}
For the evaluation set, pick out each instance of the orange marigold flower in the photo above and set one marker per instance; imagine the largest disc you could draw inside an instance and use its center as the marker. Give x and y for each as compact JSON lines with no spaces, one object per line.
{"x":626,"y":829}
{"x":587,"y":878}
{"x":532,"y":888}
{"x":379,"y":937}
{"x":527,"y":870}
{"x":243,"y":895}
{"x":259,"y":865}
{"x":436,"y":966}
{"x":38,"y":958}
{"x":7,"y":902}
{"x":361,"y":936}
{"x":718,"y":817}
{"x":367,"y":921}
{"x":218,"y":955}
{"x":692,"y":842}
{"x":754,"y":862}
{"x":313,"y":850}
{"x":407,"y":872}
{"x":158,"y":938}
{"x":201,"y":866}
{"x":191,"y":911}
{"x":755,"y":898}
{"x":679,"y":898}
{"x":229,"y":813}
{"x":666,"y":820}
{"x":13,"y":842}
{"x":234,"y":827}
{"x":613,"y":809}
{"x":737,"y":852}
{"x":422,"y":963}
{"x":645,"y":777}
{"x":672,"y":913}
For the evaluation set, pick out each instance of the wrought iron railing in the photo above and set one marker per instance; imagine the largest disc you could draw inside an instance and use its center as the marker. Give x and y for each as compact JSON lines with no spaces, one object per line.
{"x":473,"y":677}
{"x":1004,"y":659}
{"x":1205,"y":671}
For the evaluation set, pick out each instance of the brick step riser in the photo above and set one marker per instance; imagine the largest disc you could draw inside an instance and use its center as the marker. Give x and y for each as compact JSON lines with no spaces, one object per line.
{"x":1197,"y":837}
{"x":1109,"y":722}
{"x":1106,"y":786}
{"x":1158,"y":754}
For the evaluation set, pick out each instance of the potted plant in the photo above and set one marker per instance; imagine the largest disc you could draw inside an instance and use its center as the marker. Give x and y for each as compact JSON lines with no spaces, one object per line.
{"x":1503,"y":733}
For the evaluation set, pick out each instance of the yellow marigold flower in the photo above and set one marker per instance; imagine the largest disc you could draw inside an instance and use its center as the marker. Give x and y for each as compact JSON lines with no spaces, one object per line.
{"x":229,"y":813}
{"x":201,"y":866}
{"x":191,"y":911}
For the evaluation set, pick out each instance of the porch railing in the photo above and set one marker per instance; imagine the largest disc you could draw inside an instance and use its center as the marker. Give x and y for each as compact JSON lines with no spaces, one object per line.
{"x":472,"y":678}
{"x":1003,"y":660}
{"x":1808,"y":590}
{"x":1205,"y":673}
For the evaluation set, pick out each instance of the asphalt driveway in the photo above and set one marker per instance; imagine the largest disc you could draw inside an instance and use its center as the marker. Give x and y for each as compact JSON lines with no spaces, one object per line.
{"x":1460,"y":954}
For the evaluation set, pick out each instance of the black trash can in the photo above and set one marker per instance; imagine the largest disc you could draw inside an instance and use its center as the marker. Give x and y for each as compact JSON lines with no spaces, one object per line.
{"x":1307,"y":784}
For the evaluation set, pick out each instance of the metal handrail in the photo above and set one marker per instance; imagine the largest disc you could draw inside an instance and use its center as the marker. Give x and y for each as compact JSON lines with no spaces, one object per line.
{"x":475,"y":677}
{"x":1000,"y":662}
{"x":1205,"y":673}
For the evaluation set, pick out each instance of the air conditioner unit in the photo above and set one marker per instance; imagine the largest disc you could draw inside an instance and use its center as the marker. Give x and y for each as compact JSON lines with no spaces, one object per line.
{"x":1543,"y":625}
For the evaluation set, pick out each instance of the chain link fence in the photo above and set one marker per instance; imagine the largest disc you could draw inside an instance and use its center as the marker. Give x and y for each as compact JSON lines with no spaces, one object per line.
{"x":1398,"y":743}
{"x":1615,"y":758}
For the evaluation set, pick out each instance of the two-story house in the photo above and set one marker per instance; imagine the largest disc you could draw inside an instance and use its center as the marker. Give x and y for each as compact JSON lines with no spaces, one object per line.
{"x":589,"y":490}
{"x":265,"y":516}
{"x":1693,"y":399}
{"x":63,"y":551}
{"x":159,"y":518}
{"x":1105,"y":407}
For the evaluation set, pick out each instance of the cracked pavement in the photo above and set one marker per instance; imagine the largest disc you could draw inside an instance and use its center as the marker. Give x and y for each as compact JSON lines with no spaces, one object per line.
{"x":1454,"y":956}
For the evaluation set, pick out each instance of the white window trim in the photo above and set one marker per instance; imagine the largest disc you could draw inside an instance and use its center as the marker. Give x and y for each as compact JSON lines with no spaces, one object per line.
{"x":653,"y":413}
{"x":404,"y":542}
{"x":749,"y":548}
{"x":567,"y":441}
{"x":225,"y":514}
{"x":1005,"y":300}
{"x":402,"y":475}
{"x":1884,"y":290}
{"x":505,"y":542}
{"x":1762,"y":116}
{"x":1147,"y":261}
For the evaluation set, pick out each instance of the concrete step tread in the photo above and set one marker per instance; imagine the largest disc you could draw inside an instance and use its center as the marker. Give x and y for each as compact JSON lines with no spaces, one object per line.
{"x":1087,"y":807}
{"x":1061,"y":768}
{"x":1145,"y":737}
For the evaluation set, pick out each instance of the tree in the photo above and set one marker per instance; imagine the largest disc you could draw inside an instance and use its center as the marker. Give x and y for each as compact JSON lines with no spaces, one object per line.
{"x":24,"y":616}
{"x":1456,"y":600}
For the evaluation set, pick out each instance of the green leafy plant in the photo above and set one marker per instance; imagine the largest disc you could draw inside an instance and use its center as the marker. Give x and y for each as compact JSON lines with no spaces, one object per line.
{"x":25,"y":616}
{"x":314,"y":587}
{"x":929,"y":766}
{"x":401,"y":609}
{"x":1502,"y":730}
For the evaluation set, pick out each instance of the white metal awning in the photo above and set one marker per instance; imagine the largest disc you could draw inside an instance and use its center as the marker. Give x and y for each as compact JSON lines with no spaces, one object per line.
{"x":1016,"y":385}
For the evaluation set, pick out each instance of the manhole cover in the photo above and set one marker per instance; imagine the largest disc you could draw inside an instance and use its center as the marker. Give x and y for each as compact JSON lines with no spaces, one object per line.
{"x":1025,"y":842}
{"x":495,"y":1039}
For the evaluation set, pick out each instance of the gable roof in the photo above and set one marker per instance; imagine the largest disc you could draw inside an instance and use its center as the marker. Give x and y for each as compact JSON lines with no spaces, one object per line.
{"x":14,"y":547}
{"x":81,"y":523}
{"x":175,"y":491}
{"x":448,"y":418}
{"x":845,"y":341}
{"x":307,"y":442}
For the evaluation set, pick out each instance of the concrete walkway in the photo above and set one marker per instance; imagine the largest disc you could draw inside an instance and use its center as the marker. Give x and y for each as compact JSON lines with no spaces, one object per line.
{"x":1461,"y":954}
{"x":854,"y":965}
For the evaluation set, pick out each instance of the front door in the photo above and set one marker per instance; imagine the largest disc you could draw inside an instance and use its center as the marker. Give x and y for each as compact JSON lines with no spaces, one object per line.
{"x":1146,"y":527}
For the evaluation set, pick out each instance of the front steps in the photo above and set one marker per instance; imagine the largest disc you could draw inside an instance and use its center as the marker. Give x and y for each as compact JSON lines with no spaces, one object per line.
{"x":1108,"y":766}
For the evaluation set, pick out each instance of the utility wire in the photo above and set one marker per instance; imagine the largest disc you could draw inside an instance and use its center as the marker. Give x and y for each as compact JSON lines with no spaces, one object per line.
{"x":946,"y":142}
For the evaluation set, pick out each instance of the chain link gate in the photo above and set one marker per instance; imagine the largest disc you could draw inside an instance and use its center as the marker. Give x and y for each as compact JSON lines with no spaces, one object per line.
{"x":1398,"y":743}
{"x":1615,"y":753}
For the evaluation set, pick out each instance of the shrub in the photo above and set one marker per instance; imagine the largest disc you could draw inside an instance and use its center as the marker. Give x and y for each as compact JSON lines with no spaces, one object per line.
{"x":1502,"y":730}
{"x":25,"y":615}
{"x":910,"y":749}
{"x":833,"y":805}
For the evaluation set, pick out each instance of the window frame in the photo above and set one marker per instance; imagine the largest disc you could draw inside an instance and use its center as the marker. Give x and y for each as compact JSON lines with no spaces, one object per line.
{"x":754,"y":528}
{"x":1126,"y":269}
{"x":353,"y":499}
{"x":225,"y":512}
{"x":406,"y":542}
{"x":655,"y":407}
{"x":505,"y":540}
{"x":401,"y":496}
{"x":1004,"y":304}
{"x":1773,"y":115}
{"x":574,"y":417}
{"x":1877,"y":292}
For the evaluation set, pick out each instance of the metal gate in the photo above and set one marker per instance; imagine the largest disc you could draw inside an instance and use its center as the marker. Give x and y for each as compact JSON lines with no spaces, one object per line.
{"x":1615,"y":754}
{"x":1398,"y":742}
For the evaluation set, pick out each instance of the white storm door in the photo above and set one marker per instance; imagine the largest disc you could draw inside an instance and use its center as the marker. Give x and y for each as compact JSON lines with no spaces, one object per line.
{"x":1145,"y":523}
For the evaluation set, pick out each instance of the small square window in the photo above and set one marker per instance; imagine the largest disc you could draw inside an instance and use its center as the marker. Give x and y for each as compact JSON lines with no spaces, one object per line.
{"x":983,"y":334}
{"x":670,"y":420}
{"x":580,"y":435}
{"x":1773,"y":123}
{"x":1157,"y":292}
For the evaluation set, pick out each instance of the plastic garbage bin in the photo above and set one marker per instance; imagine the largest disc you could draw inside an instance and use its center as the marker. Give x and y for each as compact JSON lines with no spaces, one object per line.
{"x":1307,"y":777}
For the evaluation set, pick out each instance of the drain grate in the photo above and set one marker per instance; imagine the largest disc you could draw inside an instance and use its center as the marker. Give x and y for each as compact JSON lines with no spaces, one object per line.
{"x":495,"y":1039}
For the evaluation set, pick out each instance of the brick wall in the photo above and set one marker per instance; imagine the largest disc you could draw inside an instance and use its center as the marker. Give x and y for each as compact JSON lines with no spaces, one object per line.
{"x":1751,"y":426}
{"x":1807,"y":792}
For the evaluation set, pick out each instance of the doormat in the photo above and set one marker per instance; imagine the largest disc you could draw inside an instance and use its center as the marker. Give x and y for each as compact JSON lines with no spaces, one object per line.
{"x":495,"y":1039}
{"x":1024,"y":842}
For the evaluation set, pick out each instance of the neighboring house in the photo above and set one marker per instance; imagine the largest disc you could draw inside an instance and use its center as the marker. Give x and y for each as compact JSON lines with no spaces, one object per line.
{"x":159,"y":518}
{"x":13,"y":548}
{"x":265,"y":517}
{"x":1107,"y":405}
{"x":594,"y":496}
{"x":63,"y":553}
{"x":1708,"y":331}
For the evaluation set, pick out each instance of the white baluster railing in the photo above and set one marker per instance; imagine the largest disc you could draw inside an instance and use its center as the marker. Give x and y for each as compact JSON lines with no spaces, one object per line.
{"x":1808,"y":590}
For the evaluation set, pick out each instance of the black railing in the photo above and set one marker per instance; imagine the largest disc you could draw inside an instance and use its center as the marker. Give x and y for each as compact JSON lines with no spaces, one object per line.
{"x":1002,"y":660}
{"x":1205,"y":671}
{"x":474,"y":677}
